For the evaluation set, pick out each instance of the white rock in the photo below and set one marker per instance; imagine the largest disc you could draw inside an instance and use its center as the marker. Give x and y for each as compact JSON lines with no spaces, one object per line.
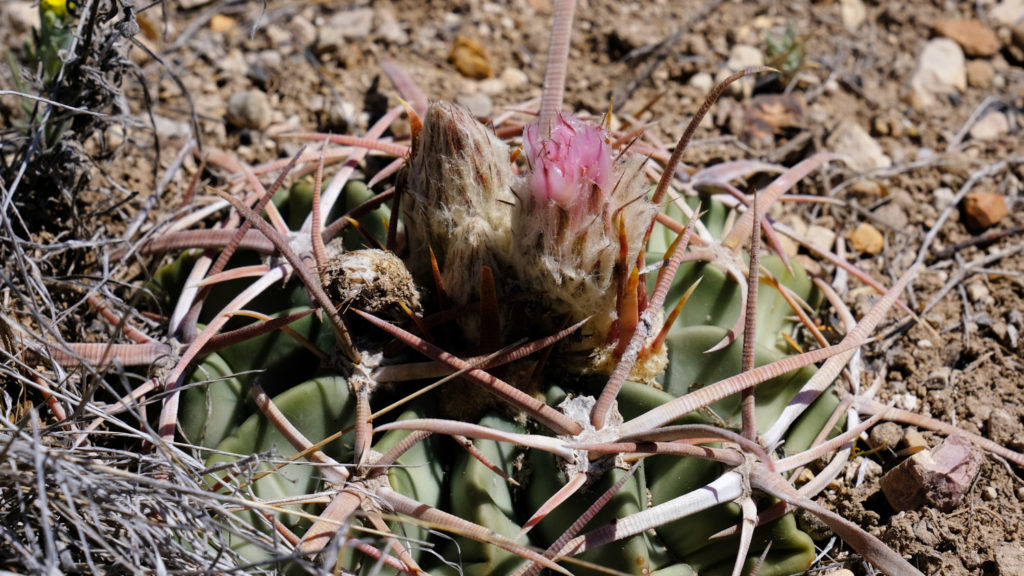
{"x":232,"y":65}
{"x":741,"y":56}
{"x":390,"y":30}
{"x":853,"y":13}
{"x":492,"y":86}
{"x":977,"y":291}
{"x":820,"y":237}
{"x":279,"y":37}
{"x":479,"y":104}
{"x":702,"y":81}
{"x":1007,"y":12}
{"x":171,"y":129}
{"x":249,"y":109}
{"x":303,"y":29}
{"x":991,"y":126}
{"x":941,"y":70}
{"x":343,"y":26}
{"x":906,"y":401}
{"x":513,"y":77}
{"x":863,"y":152}
{"x":943,"y":197}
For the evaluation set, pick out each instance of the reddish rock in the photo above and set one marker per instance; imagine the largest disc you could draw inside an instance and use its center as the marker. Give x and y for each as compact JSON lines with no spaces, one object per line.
{"x":984,"y":209}
{"x":938,"y":477}
{"x":974,"y":37}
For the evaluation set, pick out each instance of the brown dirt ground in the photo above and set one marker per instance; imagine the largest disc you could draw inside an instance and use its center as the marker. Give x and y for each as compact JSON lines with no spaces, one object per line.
{"x":968,"y":369}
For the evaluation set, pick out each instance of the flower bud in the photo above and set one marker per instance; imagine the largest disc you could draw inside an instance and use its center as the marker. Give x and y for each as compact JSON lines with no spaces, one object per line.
{"x":458,"y":200}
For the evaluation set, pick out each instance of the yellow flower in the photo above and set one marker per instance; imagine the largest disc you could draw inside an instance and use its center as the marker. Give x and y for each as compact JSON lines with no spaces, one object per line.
{"x":60,"y":8}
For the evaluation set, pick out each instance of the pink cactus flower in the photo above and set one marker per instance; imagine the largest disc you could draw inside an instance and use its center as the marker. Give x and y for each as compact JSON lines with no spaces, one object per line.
{"x":570,"y":164}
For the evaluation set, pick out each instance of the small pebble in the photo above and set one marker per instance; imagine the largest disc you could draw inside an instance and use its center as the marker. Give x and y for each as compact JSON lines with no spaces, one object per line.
{"x":389,"y":29}
{"x":1017,"y":43}
{"x":492,"y":86}
{"x":977,"y":291}
{"x":989,"y":493}
{"x":867,"y":239}
{"x":863,"y":151}
{"x":702,"y":81}
{"x":1006,"y":12}
{"x":913,"y":440}
{"x":470,"y":58}
{"x":248,"y":109}
{"x":1009,"y":559}
{"x":514,"y":78}
{"x":867,"y":188}
{"x":941,"y":71}
{"x":821,"y":237}
{"x":741,"y":56}
{"x":172,"y":129}
{"x":886,"y":434}
{"x":938,"y":477}
{"x":1001,"y":426}
{"x":280,"y":39}
{"x":479,"y":104}
{"x":991,"y":126}
{"x":943,"y":197}
{"x":853,"y":13}
{"x":984,"y":210}
{"x":980,"y":74}
{"x":893,"y":215}
{"x":974,"y":37}
{"x":907,"y":402}
{"x":304,"y":30}
{"x":114,"y":135}
{"x":232,"y":65}
{"x":222,"y":23}
{"x":343,"y":26}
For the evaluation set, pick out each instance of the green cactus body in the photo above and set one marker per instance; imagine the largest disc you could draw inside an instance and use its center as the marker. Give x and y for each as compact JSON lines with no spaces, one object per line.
{"x":468,"y":232}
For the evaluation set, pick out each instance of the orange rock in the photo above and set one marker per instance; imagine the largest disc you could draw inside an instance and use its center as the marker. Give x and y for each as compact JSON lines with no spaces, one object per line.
{"x":867,"y":239}
{"x":974,"y":37}
{"x":984,"y":209}
{"x":470,"y":58}
{"x":222,"y":23}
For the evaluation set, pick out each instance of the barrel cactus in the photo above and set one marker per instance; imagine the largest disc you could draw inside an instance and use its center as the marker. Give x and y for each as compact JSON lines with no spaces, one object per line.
{"x":525,"y":356}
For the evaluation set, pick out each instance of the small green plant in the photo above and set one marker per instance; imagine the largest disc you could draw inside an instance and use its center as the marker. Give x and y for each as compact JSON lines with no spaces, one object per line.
{"x":43,"y":61}
{"x":785,"y":50}
{"x":69,"y":78}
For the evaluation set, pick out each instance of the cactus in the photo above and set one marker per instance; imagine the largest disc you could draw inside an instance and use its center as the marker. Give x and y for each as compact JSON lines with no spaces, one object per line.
{"x":637,"y":386}
{"x":571,"y":240}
